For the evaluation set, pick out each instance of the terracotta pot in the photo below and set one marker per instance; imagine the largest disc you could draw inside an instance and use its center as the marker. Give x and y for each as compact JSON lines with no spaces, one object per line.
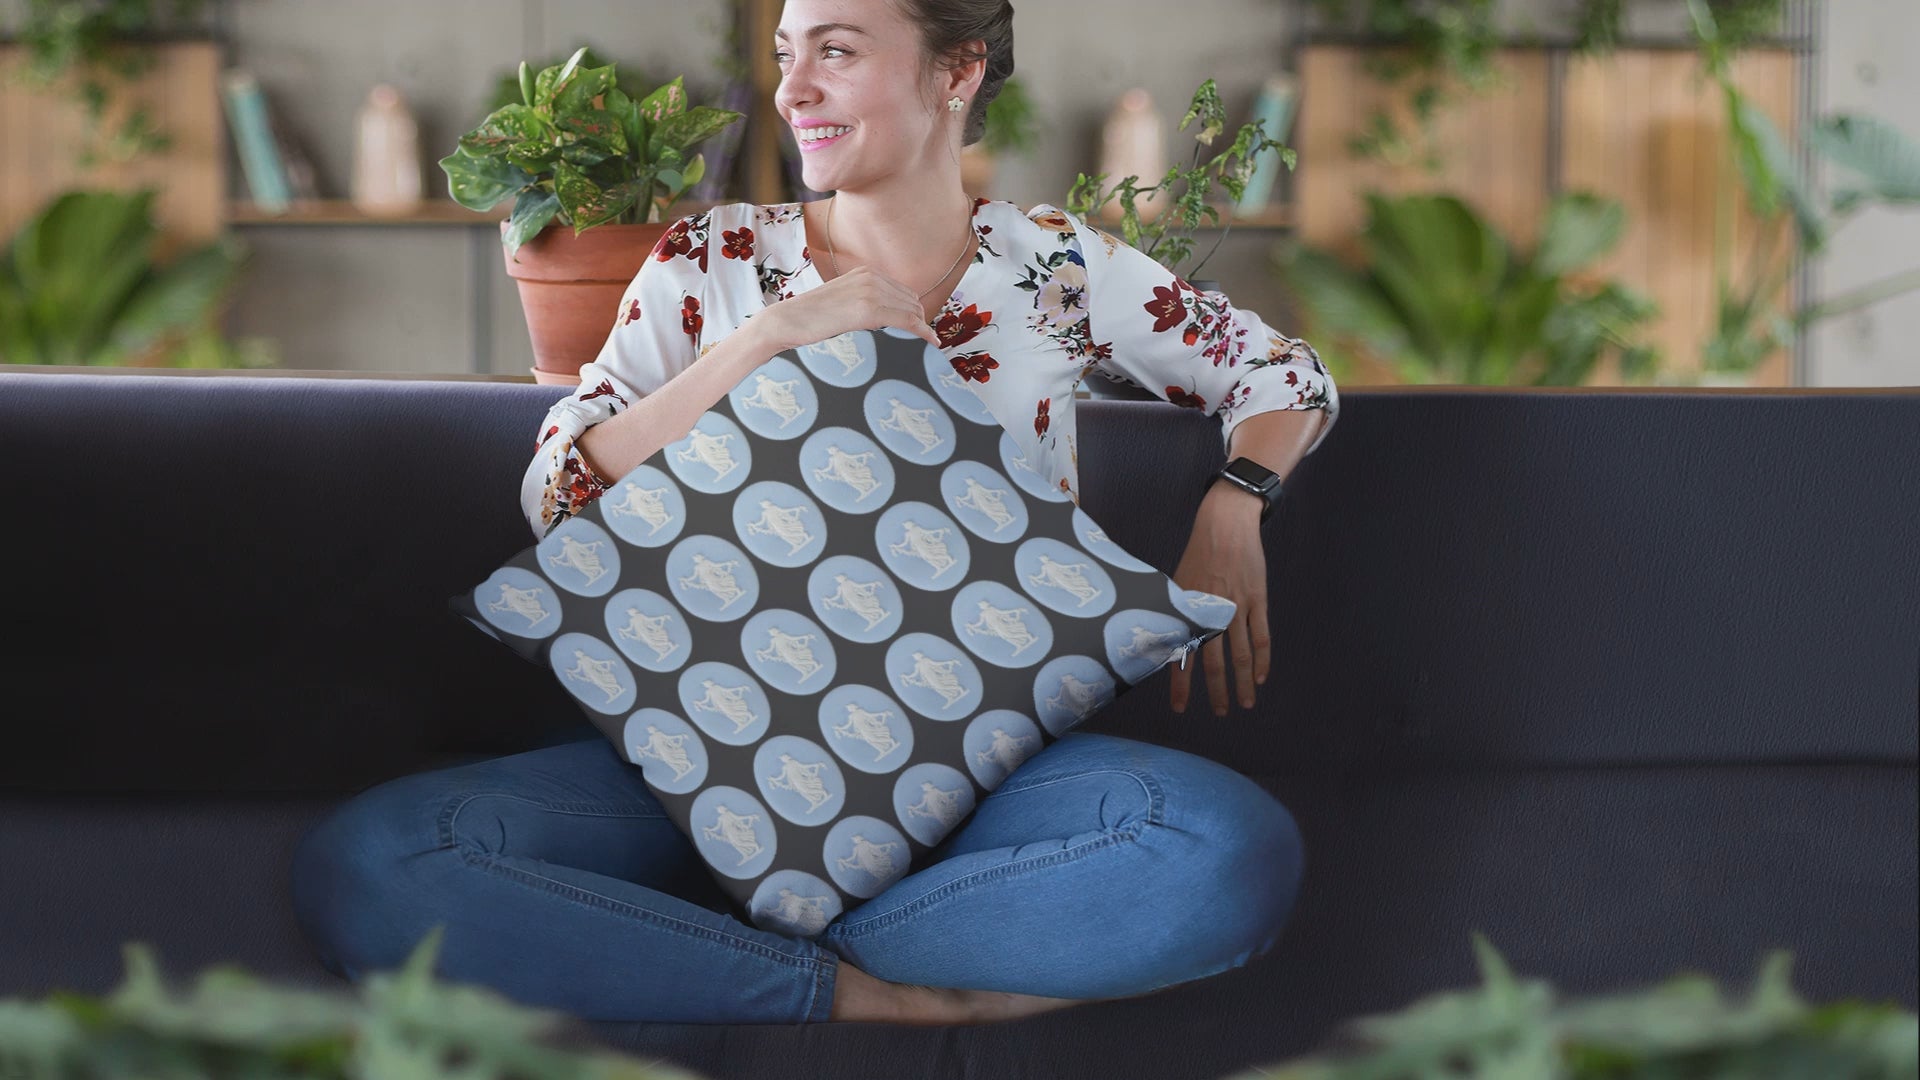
{"x":570,"y":289}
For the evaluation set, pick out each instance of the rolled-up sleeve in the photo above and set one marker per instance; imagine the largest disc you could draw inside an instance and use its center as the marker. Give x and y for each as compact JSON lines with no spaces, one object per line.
{"x":655,"y":336}
{"x":1148,"y":327}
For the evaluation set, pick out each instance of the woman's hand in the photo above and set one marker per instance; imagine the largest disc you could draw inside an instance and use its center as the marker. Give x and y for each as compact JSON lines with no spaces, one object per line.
{"x":860,"y":299}
{"x":1225,"y":557}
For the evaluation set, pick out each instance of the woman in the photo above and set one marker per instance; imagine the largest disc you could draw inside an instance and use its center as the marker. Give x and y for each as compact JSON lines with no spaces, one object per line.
{"x":1103,"y":867}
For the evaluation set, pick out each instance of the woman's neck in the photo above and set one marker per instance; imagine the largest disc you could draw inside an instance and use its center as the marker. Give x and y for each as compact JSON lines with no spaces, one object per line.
{"x":911,"y":242}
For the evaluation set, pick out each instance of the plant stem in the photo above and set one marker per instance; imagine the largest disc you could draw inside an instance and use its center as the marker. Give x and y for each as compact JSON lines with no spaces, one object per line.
{"x":1873,"y":292}
{"x":1214,"y":248}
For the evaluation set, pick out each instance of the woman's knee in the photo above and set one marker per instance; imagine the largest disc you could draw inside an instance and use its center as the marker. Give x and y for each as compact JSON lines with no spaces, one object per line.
{"x":1253,"y":844}
{"x":355,"y":876}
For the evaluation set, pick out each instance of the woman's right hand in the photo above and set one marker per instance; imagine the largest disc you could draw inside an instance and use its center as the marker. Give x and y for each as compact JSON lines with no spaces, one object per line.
{"x":860,"y":299}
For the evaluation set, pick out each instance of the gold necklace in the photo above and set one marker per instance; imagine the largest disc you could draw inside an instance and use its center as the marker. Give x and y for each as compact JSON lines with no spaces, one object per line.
{"x":835,"y":263}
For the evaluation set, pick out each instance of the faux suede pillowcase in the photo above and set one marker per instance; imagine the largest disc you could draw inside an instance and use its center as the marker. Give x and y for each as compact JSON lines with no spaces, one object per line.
{"x":834,"y":616}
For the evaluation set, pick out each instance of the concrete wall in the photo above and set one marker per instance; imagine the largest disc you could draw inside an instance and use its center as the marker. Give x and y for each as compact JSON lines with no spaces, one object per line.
{"x":1867,"y":67}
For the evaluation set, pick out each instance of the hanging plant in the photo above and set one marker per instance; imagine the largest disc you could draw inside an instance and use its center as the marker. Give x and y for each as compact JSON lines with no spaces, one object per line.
{"x":99,"y":43}
{"x":1451,"y":46}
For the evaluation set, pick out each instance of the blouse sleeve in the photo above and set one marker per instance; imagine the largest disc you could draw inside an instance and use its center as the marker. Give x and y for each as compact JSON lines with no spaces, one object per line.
{"x":655,"y":336}
{"x":1149,"y":327}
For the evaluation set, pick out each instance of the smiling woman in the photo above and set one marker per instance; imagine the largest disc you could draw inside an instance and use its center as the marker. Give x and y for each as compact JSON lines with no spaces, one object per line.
{"x":1101,"y":867}
{"x":881,"y":96}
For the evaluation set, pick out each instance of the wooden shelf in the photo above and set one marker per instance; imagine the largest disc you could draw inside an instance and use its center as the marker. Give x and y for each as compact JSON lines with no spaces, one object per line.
{"x":343,"y":212}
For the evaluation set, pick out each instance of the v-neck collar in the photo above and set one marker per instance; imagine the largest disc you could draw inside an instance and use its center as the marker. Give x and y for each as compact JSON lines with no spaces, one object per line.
{"x":810,"y":274}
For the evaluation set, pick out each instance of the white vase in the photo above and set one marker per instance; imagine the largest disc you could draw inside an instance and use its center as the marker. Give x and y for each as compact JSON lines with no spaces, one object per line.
{"x":1132,"y":144}
{"x":387,"y":178}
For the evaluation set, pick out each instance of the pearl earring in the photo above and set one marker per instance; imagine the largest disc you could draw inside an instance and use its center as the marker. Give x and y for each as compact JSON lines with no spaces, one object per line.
{"x":954,"y":104}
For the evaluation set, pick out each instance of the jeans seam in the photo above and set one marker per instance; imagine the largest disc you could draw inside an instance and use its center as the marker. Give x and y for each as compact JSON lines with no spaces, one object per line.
{"x":850,"y":930}
{"x":1156,"y":795}
{"x":626,"y":809}
{"x":825,"y":975}
{"x":593,"y":899}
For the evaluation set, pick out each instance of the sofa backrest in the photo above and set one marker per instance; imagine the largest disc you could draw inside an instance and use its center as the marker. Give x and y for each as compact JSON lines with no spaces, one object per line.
{"x":236,"y":583}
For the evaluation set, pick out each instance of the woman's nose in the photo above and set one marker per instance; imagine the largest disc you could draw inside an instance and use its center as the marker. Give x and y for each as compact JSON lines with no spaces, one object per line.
{"x":796,"y":87}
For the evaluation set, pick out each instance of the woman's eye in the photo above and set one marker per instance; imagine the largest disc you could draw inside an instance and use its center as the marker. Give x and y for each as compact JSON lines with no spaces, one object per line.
{"x":780,"y":57}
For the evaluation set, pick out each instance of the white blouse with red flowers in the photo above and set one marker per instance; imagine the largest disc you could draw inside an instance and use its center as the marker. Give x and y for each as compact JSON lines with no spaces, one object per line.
{"x":1047,"y":300}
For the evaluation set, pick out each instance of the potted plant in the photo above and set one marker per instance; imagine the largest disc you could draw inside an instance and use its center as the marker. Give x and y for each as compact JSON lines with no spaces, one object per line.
{"x":1012,"y":127}
{"x":93,"y":49}
{"x":1159,"y":237}
{"x":1443,"y":297}
{"x":579,"y":155}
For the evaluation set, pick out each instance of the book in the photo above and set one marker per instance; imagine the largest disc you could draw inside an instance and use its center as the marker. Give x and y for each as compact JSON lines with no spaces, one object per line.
{"x":303,"y":182}
{"x":1275,"y":106}
{"x":254,"y":141}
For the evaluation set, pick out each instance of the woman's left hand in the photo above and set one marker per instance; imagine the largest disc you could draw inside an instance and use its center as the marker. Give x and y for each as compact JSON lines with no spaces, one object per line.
{"x":1225,"y":557}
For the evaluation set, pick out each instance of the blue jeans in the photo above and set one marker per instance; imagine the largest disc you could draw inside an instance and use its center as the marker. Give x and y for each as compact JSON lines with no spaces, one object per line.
{"x":1101,"y":868}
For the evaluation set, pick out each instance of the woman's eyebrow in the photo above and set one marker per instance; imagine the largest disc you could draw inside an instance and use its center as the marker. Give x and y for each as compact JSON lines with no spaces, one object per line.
{"x":816,"y":31}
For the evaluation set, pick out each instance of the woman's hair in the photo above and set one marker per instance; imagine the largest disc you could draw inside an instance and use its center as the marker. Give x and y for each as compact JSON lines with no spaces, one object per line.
{"x":946,"y":26}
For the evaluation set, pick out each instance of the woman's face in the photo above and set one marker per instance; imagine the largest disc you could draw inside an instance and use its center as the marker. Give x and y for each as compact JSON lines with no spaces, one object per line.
{"x":863,"y":74}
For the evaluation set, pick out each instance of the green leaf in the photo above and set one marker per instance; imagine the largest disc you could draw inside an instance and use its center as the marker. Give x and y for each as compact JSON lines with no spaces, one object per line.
{"x":586,"y":202}
{"x":627,"y":111}
{"x":586,"y":84}
{"x":1345,"y":302}
{"x":597,"y":126}
{"x":504,"y":128}
{"x":526,"y":84}
{"x":1439,"y":265}
{"x":1580,"y":228}
{"x":682,"y":131}
{"x":77,"y":263}
{"x":1770,"y":174}
{"x":532,"y":211}
{"x":177,"y":297}
{"x":537,"y":155}
{"x":669,"y":100}
{"x":1876,"y":151}
{"x":552,"y":82}
{"x":480,"y":183}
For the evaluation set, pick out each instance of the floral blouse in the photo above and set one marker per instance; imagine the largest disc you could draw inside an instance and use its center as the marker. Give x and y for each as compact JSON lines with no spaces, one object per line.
{"x":1047,"y":300}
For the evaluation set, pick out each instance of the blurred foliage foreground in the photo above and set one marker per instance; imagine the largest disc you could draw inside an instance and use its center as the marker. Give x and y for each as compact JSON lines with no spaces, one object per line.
{"x":81,"y":284}
{"x":407,"y":1024}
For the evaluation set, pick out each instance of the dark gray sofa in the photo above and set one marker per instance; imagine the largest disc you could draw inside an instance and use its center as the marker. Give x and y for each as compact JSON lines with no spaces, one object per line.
{"x":1626,"y":680}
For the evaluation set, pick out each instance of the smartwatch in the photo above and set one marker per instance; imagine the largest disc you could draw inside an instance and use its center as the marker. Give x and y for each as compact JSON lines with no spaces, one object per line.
{"x":1255,"y":477}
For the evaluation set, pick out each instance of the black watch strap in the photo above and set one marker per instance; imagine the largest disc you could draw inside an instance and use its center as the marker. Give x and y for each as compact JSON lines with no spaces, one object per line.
{"x":1257,"y":479}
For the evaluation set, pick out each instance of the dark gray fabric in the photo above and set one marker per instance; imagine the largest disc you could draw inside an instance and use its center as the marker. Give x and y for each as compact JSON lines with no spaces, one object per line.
{"x":1627,"y":680}
{"x":823,"y":646}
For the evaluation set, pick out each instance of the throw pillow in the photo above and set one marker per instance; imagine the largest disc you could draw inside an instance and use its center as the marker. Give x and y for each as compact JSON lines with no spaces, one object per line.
{"x":832,"y":617}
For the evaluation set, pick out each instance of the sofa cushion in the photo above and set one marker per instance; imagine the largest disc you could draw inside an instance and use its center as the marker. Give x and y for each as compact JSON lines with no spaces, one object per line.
{"x":1462,"y":577}
{"x":832,"y":616}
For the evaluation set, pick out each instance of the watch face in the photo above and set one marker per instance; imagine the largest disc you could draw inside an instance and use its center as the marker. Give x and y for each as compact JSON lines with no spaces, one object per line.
{"x":1252,"y":472}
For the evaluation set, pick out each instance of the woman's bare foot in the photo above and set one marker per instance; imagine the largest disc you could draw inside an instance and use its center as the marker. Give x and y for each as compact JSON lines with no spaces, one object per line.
{"x":860,"y":996}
